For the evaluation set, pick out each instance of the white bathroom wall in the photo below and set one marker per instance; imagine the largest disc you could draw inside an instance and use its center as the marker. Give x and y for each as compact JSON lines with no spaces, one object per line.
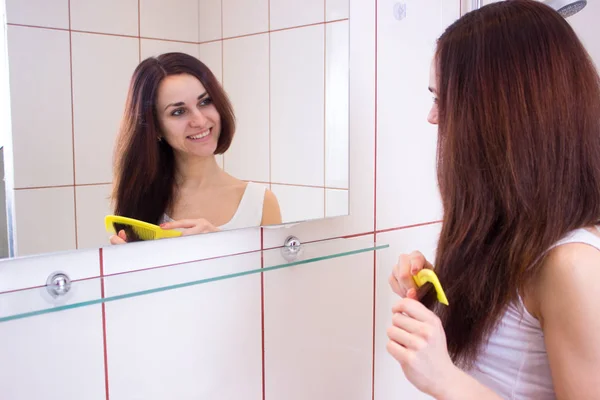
{"x":123,"y":352}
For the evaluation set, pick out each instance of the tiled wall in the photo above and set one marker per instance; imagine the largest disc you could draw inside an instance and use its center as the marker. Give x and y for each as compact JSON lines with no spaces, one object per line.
{"x":283,"y":63}
{"x":314,"y":332}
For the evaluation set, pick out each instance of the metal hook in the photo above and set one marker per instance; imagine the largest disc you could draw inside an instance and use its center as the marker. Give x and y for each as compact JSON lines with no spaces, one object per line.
{"x":58,"y":284}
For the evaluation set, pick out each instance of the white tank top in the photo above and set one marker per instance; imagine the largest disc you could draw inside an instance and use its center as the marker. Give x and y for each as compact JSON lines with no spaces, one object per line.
{"x":249,"y":211}
{"x":514,"y":362}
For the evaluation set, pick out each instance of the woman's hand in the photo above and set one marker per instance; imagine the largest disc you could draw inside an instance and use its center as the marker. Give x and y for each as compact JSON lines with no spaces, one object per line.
{"x":418,"y":343}
{"x":191,"y":226}
{"x":408,"y":265}
{"x":120,"y":238}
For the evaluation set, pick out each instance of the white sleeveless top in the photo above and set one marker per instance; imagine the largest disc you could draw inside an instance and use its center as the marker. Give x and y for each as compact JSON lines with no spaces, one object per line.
{"x":514,"y":362}
{"x":249,"y":212}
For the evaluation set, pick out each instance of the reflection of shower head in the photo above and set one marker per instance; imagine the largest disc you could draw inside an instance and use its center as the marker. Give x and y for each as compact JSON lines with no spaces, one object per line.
{"x":566,"y":8}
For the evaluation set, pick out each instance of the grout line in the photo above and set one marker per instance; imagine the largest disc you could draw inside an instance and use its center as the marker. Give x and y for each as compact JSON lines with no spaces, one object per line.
{"x":105,"y":348}
{"x":270,"y":114}
{"x":324,"y":112}
{"x":262,"y":313}
{"x":68,"y":186}
{"x":375,"y":209}
{"x":73,"y":125}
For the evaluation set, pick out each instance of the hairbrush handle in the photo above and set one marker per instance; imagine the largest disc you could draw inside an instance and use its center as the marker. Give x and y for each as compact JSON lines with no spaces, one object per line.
{"x":427,"y":275}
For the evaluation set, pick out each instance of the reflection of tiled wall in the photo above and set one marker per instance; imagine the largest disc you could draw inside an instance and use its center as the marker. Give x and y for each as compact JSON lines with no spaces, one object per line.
{"x":284,"y":65}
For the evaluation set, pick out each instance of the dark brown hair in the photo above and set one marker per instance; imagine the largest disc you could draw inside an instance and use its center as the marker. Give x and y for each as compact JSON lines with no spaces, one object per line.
{"x":144,"y":168}
{"x":518,"y":158}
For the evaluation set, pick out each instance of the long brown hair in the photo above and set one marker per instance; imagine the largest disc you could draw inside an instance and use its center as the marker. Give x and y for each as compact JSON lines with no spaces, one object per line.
{"x":144,"y":167}
{"x":518,"y":158}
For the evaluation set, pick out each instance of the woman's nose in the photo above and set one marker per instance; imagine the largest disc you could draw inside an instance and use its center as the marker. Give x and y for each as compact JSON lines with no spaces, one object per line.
{"x":198,"y":119}
{"x":432,"y":117}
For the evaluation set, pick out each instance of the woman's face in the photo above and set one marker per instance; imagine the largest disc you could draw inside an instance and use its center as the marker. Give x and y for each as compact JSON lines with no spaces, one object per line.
{"x":433,"y":113}
{"x":189,"y":120}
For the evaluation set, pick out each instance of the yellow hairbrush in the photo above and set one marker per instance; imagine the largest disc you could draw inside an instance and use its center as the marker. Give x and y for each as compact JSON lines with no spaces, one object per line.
{"x":427,"y":275}
{"x":137,"y":230}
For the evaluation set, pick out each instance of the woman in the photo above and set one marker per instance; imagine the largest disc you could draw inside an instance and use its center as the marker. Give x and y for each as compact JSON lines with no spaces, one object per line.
{"x":177,"y":118}
{"x":518,"y":113}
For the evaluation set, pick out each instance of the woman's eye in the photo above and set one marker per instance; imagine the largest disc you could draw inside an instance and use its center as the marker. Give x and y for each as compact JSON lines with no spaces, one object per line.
{"x":206,"y":101}
{"x":177,"y":112}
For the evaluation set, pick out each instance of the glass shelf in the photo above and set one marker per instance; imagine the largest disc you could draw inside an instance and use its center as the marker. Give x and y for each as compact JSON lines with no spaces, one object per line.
{"x":31,"y":302}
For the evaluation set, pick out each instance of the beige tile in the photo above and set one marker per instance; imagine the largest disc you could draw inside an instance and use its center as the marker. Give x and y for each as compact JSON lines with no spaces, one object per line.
{"x":243,"y":17}
{"x":45,"y":220}
{"x":102,"y":69}
{"x":246,"y":80}
{"x":211,"y":54}
{"x":173,"y":19}
{"x":40,"y":87}
{"x":292,"y":13}
{"x":326,"y":310}
{"x":210,"y":331}
{"x":210,"y":20}
{"x":297,"y":106}
{"x":107,"y":16}
{"x":336,"y":202}
{"x":49,"y":13}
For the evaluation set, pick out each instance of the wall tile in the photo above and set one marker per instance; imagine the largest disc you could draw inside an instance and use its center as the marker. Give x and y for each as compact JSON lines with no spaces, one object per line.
{"x":390,"y":382}
{"x":405,"y":139}
{"x":293,"y":13}
{"x":243,"y":17}
{"x":174,"y":20}
{"x":211,"y":54}
{"x":49,"y":13}
{"x":299,"y":203}
{"x":210,"y":20}
{"x":93,"y":204}
{"x":336,"y":202}
{"x":45,"y":220}
{"x":153,"y":48}
{"x":319,"y":330}
{"x":336,"y":104}
{"x":107,"y":16}
{"x":217,"y":351}
{"x":56,"y":356}
{"x":362,"y":139}
{"x":337,"y":9}
{"x":40,"y":86}
{"x":142,"y":255}
{"x":297,"y":106}
{"x":102,"y":69}
{"x":248,"y":156}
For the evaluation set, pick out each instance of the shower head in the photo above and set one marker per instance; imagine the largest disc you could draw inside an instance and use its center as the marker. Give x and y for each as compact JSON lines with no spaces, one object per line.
{"x":566,"y":8}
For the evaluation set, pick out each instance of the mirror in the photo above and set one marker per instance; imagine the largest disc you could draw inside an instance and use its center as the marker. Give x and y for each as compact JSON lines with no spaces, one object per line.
{"x":283,"y":64}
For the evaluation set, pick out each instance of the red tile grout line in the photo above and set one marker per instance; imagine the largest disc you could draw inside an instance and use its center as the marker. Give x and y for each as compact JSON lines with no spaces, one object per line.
{"x":105,"y":348}
{"x":351,"y":236}
{"x":177,"y":41}
{"x":110,"y":183}
{"x":72,"y":125}
{"x":269,"y":73}
{"x":262,"y":312}
{"x":62,"y":186}
{"x":375,"y":215}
